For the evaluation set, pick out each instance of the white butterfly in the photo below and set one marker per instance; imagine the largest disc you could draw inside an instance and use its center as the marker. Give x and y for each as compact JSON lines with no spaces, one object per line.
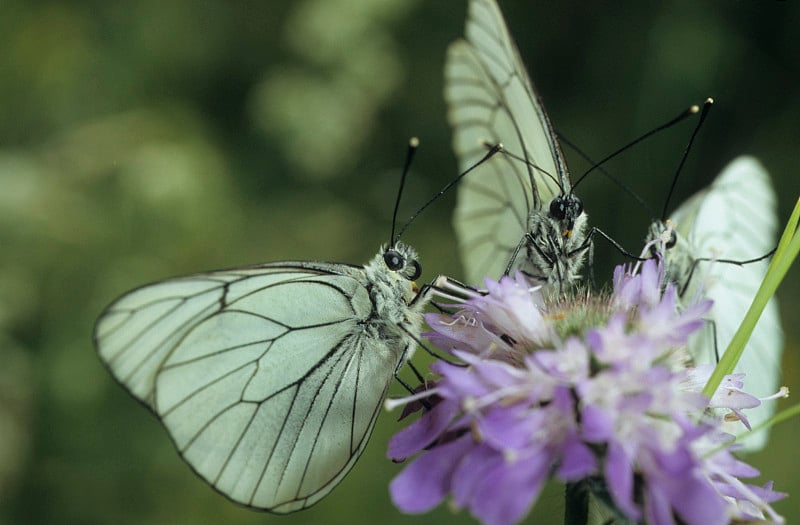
{"x":508,"y":206}
{"x":734,"y":219}
{"x":268,"y":378}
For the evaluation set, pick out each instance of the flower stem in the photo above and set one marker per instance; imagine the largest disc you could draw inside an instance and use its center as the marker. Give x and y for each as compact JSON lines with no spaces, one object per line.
{"x":576,"y":504}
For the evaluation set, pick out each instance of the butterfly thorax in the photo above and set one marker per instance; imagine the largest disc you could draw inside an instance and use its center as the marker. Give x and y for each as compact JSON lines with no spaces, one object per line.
{"x":555,"y":249}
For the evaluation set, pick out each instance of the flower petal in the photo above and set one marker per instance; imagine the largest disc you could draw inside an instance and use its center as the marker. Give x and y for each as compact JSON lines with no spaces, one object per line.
{"x":508,"y":491}
{"x":619,"y":477}
{"x":423,"y":431}
{"x":425,"y":482}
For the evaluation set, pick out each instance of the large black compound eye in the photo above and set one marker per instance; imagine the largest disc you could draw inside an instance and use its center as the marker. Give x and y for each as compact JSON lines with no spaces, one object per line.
{"x":673,"y":239}
{"x":416,"y":271}
{"x":558,"y":208}
{"x":394,"y":261}
{"x":577,"y":204}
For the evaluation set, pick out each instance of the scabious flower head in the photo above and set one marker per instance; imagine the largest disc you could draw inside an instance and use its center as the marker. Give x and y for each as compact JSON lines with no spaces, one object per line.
{"x":591,"y":390}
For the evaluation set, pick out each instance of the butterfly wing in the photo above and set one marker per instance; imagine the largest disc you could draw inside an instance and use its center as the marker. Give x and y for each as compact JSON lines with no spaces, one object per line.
{"x":492,"y":100}
{"x":735,"y":219}
{"x":264,"y":377}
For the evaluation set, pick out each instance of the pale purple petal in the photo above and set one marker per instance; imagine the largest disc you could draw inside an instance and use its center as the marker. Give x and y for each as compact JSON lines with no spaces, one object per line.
{"x":470,"y":472}
{"x":423,"y":431}
{"x":577,"y":460}
{"x":766,"y":493}
{"x":506,"y":428}
{"x":464,"y":331}
{"x":597,"y":424}
{"x":508,"y":491}
{"x":658,"y":507}
{"x":619,"y":474}
{"x":425,"y":482}
{"x":651,"y":283}
{"x":696,"y":502}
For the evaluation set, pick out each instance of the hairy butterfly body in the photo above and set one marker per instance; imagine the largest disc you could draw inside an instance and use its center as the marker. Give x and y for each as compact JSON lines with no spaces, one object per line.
{"x":268,"y":378}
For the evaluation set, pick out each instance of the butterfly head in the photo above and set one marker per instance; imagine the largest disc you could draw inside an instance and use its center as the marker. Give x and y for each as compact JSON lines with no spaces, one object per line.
{"x":393,"y":272}
{"x":665,"y":235}
{"x":566,"y":209}
{"x":402,"y":259}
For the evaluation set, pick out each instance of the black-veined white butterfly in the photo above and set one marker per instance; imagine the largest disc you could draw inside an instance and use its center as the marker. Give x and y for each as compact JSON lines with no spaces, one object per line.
{"x":734,"y":219}
{"x":268,"y":378}
{"x":509,"y":213}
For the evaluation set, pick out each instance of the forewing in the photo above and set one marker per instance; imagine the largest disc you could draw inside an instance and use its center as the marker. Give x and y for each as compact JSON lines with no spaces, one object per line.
{"x":263,"y":377}
{"x":491,"y":100}
{"x":735,"y":219}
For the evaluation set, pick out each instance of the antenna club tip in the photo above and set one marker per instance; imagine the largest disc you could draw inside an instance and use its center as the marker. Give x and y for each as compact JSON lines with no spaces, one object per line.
{"x":709,"y":101}
{"x":413,"y":142}
{"x":694,"y":109}
{"x":491,"y":145}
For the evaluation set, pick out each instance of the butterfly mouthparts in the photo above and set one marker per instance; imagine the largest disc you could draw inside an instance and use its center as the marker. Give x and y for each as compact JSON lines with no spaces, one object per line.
{"x":414,"y":287}
{"x":567,"y":233}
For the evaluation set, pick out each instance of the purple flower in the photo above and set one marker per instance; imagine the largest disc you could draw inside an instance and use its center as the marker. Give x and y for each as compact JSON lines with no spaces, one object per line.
{"x":592,"y":391}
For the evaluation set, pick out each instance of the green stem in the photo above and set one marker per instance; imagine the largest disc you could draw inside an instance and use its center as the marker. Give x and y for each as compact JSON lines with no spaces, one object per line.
{"x":576,"y":504}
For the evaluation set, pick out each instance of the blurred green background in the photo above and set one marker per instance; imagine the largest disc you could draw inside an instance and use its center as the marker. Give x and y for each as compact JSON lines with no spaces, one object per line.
{"x":144,"y":139}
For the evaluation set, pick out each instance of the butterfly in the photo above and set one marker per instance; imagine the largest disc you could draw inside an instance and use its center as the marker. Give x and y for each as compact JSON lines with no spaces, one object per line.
{"x":268,"y":378}
{"x":517,"y":210}
{"x":734,"y":219}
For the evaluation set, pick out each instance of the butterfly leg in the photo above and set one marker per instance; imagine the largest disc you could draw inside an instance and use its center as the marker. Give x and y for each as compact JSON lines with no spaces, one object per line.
{"x":515,"y":253}
{"x":411,"y":390}
{"x":611,"y":241}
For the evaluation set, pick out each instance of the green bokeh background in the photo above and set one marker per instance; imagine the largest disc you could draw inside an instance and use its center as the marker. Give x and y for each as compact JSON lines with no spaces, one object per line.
{"x":144,"y":139}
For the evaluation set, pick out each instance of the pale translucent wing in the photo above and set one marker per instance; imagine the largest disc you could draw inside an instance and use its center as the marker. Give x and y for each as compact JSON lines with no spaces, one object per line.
{"x":494,"y":201}
{"x":134,"y":335}
{"x":735,"y":219}
{"x":264,"y":378}
{"x":491,"y":100}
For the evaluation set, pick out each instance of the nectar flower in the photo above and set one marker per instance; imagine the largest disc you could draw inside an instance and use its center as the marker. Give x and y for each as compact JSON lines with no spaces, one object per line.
{"x":593,"y":391}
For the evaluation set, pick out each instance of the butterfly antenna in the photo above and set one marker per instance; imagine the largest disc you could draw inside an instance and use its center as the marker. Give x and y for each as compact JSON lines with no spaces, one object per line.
{"x":706,"y":107}
{"x":413,"y":144}
{"x":613,"y":178}
{"x":530,"y":164}
{"x":494,"y":149}
{"x":684,"y":115}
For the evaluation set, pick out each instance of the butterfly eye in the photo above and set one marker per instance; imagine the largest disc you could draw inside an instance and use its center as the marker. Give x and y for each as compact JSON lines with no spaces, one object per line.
{"x":416,"y":271}
{"x":394,"y":261}
{"x":577,"y":204}
{"x":558,"y":209}
{"x":673,"y":239}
